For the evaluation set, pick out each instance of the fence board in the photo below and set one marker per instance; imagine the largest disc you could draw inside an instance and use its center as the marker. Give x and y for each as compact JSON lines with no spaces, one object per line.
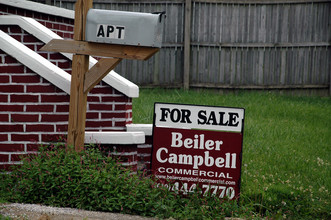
{"x":236,"y":43}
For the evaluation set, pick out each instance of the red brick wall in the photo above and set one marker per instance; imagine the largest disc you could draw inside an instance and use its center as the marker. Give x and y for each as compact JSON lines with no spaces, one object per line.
{"x":144,"y":153}
{"x":62,"y":26}
{"x":32,"y":110}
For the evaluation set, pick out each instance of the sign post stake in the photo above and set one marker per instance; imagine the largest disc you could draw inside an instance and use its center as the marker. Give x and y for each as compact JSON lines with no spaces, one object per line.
{"x":80,"y":65}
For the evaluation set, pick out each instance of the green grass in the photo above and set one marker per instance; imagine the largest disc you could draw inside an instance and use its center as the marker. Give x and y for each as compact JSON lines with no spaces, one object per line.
{"x":286,"y":150}
{"x":285,"y":173}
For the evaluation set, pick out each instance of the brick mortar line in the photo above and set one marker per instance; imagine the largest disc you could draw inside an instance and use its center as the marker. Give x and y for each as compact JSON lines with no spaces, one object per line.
{"x":124,"y":153}
{"x":32,"y":132}
{"x":11,"y":163}
{"x":143,"y":146}
{"x":143,"y":155}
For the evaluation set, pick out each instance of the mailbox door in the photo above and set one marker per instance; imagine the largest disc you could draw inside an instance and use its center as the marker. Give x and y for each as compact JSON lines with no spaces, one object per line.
{"x":127,"y":28}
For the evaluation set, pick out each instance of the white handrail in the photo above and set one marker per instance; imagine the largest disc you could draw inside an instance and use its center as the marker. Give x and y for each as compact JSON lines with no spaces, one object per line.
{"x":45,"y":35}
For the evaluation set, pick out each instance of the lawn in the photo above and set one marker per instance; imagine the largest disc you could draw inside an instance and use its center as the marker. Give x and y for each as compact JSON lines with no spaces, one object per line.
{"x":285,"y":168}
{"x":286,"y":149}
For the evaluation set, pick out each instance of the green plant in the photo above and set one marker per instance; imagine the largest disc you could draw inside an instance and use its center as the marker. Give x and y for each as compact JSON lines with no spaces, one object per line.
{"x":62,"y":177}
{"x":4,"y":217}
{"x":92,"y":180}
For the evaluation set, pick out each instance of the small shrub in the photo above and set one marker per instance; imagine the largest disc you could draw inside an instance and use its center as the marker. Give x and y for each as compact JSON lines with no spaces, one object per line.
{"x":92,"y":180}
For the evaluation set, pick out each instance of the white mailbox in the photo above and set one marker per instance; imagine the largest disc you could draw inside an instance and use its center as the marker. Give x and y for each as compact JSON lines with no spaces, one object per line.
{"x":126,"y":28}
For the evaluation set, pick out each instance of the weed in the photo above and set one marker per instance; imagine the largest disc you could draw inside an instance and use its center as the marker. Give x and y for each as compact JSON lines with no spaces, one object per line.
{"x":91,"y":180}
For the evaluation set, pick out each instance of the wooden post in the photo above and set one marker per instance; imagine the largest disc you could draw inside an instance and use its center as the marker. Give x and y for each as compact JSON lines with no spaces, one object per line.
{"x":187,"y":44}
{"x":98,"y":72}
{"x":80,"y":65}
{"x":83,"y":79}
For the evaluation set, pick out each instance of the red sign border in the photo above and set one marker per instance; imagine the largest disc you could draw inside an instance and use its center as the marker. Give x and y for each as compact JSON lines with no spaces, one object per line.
{"x":242,"y":132}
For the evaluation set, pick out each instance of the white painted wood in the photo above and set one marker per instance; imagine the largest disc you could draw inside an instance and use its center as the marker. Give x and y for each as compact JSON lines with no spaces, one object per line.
{"x":30,"y":25}
{"x":146,"y":128}
{"x":45,"y":35}
{"x":35,"y":62}
{"x":42,"y":8}
{"x":120,"y":83}
{"x":115,"y":137}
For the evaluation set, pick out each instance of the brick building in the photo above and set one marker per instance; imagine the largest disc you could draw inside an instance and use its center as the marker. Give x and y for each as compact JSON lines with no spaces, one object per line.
{"x":35,"y":88}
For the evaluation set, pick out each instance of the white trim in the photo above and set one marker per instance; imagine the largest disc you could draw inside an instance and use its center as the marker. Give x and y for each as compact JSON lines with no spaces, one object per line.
{"x":146,"y":128}
{"x":45,"y":35}
{"x":35,"y":62}
{"x":115,"y":137}
{"x":42,"y":8}
{"x":30,"y":25}
{"x":120,"y":83}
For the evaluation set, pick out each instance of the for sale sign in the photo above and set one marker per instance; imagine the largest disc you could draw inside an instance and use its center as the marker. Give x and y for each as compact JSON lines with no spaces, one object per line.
{"x":197,"y":145}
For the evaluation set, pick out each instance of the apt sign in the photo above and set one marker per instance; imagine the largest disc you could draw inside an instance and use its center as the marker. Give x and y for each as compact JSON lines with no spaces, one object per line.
{"x":197,"y":145}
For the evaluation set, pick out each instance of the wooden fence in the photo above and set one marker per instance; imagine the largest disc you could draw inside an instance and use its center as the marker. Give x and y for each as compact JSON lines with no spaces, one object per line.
{"x":254,"y":44}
